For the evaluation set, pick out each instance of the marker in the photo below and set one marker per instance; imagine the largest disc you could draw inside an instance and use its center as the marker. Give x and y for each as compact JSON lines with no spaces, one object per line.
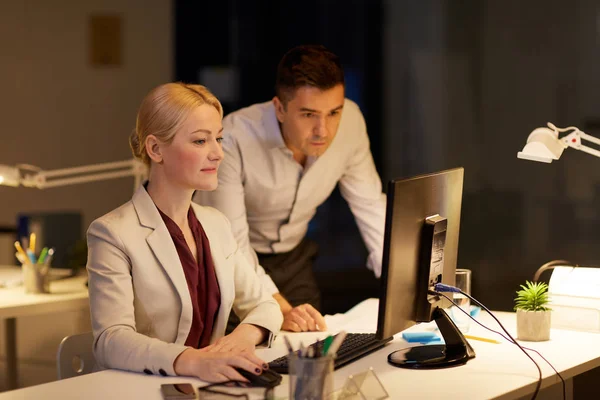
{"x":327,"y":344}
{"x":43,"y":255}
{"x":482,"y":339}
{"x":32,"y":242}
{"x":337,"y":343}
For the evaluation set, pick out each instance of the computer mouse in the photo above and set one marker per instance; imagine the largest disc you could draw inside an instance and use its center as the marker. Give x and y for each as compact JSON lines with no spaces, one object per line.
{"x":268,"y":378}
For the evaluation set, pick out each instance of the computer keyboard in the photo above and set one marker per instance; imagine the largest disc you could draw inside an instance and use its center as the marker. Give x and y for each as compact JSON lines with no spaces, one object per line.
{"x":354,"y":346}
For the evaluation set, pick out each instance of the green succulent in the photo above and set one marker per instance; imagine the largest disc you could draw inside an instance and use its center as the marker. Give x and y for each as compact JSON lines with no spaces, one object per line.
{"x":533,"y":296}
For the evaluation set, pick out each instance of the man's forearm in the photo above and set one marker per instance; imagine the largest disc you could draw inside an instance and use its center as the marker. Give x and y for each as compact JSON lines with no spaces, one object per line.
{"x":283,"y":303}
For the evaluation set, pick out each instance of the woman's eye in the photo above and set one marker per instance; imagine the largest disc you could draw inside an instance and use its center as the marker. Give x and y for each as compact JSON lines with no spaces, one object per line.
{"x":200,"y":141}
{"x":308,"y":115}
{"x":220,"y":139}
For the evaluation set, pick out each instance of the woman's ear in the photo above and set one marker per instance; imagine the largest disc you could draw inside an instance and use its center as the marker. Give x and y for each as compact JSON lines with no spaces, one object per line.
{"x":153,"y":149}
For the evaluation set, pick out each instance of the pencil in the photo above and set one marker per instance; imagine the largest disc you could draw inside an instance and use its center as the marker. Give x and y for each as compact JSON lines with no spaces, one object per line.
{"x":482,"y":339}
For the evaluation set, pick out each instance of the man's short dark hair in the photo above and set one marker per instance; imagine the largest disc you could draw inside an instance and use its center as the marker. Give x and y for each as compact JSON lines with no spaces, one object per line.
{"x":307,"y":65}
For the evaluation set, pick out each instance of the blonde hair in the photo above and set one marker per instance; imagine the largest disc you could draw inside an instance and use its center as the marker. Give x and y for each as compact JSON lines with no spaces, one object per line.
{"x":164,"y":110}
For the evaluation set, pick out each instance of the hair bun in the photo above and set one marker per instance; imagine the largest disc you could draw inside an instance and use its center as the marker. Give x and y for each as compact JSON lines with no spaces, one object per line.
{"x":134,"y":143}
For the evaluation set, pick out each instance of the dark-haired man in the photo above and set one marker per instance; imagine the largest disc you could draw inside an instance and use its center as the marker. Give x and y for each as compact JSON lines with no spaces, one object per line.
{"x":283,"y":159}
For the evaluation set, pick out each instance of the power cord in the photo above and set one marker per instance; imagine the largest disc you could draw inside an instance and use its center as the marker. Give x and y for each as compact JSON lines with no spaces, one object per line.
{"x":439,"y":288}
{"x":507,"y":339}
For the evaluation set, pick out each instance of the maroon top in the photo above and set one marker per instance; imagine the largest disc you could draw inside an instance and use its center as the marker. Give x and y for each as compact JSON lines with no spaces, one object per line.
{"x":201,"y":279}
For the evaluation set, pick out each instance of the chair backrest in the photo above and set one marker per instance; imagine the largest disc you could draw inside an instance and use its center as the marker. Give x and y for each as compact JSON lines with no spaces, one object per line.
{"x":75,"y":355}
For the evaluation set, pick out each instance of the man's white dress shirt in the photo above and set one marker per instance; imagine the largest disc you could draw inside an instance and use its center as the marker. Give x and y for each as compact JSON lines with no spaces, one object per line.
{"x":270,"y":198}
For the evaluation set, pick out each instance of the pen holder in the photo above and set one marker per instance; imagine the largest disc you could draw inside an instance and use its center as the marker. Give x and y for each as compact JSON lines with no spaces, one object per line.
{"x":35,"y":278}
{"x":310,"y":378}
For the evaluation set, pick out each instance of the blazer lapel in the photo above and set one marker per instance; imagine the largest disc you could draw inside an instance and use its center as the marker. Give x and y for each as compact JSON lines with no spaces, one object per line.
{"x":162,"y":246}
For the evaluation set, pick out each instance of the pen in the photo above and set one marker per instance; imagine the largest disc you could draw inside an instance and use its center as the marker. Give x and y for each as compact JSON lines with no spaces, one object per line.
{"x":482,"y":339}
{"x":32,"y":242}
{"x":48,"y":259}
{"x":337,"y":342}
{"x":302,"y":350}
{"x":288,"y":344}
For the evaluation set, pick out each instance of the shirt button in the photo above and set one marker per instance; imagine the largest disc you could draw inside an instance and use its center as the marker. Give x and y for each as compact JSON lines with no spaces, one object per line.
{"x":162,"y":372}
{"x":147,"y":371}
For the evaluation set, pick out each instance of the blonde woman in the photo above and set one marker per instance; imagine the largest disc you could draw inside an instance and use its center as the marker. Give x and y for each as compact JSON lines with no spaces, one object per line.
{"x":164,"y":273}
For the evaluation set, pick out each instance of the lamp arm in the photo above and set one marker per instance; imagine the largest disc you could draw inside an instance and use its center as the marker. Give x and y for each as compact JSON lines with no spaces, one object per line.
{"x":87,"y":173}
{"x":575,"y":138}
{"x":589,"y":138}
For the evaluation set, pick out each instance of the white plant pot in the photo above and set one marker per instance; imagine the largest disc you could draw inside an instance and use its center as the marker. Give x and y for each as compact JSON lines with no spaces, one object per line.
{"x":533,"y":326}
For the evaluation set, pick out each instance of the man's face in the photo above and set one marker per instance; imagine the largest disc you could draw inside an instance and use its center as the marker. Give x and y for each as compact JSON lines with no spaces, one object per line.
{"x":310,"y":119}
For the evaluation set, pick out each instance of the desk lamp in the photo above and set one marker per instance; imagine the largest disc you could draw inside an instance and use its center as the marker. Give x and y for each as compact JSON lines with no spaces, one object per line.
{"x":572,"y":289}
{"x":544,"y":145}
{"x":31,"y":176}
{"x":34,"y":177}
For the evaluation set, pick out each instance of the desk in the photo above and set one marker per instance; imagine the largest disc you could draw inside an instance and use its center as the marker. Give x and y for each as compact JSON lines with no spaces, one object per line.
{"x":65,"y":295}
{"x":500,"y":371}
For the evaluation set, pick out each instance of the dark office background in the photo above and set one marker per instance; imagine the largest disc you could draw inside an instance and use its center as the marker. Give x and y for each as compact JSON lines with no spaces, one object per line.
{"x":442,"y":84}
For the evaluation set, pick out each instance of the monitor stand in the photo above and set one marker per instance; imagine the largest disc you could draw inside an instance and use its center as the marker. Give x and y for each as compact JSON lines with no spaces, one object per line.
{"x":456,"y":351}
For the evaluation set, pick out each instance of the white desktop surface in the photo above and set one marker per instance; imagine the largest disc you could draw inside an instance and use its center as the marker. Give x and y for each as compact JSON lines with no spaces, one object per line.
{"x":500,"y":371}
{"x":65,"y":295}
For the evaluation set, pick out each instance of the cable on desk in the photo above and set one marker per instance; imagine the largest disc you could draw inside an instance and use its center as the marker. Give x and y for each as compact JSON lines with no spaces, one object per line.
{"x":447,"y":288}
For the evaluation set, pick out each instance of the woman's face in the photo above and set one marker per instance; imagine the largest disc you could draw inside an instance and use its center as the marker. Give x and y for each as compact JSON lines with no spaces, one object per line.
{"x":191,"y":160}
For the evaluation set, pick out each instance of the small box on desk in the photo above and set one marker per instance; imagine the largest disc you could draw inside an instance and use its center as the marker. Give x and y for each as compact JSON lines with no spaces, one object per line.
{"x":575,"y":298}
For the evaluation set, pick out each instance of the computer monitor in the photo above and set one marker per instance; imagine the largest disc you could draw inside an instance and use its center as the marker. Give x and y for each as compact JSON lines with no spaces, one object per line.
{"x":420,"y":250}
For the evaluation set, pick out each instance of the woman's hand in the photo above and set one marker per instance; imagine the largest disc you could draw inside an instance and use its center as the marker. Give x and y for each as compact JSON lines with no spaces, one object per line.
{"x":217,"y":366}
{"x":244,"y":338}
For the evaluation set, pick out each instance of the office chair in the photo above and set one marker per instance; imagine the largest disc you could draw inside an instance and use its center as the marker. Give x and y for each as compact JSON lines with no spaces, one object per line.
{"x":75,"y":355}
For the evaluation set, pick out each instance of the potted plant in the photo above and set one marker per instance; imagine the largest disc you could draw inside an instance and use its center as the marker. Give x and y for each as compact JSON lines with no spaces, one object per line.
{"x":533,"y":315}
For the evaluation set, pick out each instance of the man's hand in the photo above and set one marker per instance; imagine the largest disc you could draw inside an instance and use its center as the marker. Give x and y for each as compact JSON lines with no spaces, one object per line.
{"x":303,"y":318}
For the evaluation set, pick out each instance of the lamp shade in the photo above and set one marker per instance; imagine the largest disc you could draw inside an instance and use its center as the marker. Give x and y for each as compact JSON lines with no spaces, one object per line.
{"x":543,"y":145}
{"x":9,"y":176}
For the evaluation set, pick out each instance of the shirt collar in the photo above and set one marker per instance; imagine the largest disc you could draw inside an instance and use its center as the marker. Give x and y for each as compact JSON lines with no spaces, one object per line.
{"x":272,"y":129}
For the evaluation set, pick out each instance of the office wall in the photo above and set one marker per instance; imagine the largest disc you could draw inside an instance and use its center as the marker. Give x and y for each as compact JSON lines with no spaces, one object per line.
{"x":466,"y":83}
{"x":58,"y":111}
